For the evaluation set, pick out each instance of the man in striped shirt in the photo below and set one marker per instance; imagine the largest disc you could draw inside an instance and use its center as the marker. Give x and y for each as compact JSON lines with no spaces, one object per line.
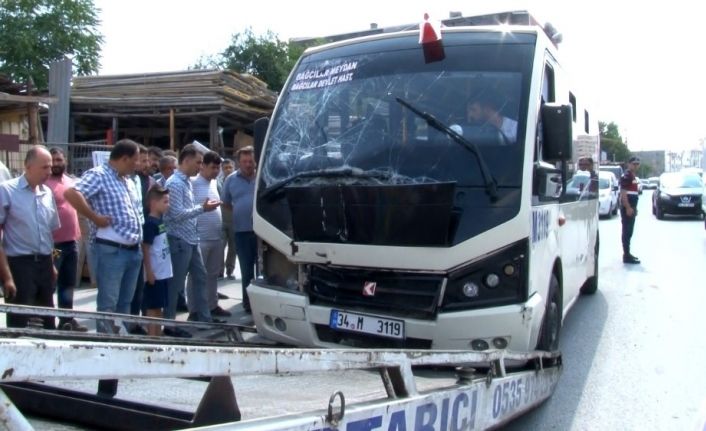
{"x":184,"y":238}
{"x":210,"y":226}
{"x":107,"y":196}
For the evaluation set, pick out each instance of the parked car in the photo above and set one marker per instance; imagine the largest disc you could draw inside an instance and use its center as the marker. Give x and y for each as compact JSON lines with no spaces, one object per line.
{"x":692,"y":170}
{"x":578,"y":186}
{"x":617,"y":170}
{"x":643,"y":184}
{"x":608,"y":194}
{"x":639,"y":186}
{"x":652,"y":183}
{"x":678,"y":193}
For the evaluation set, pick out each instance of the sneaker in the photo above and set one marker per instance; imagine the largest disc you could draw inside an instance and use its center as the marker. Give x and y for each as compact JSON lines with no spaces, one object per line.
{"x":72,"y":325}
{"x":630,"y":259}
{"x":177,"y":332}
{"x":218,"y":311}
{"x":231,"y":277}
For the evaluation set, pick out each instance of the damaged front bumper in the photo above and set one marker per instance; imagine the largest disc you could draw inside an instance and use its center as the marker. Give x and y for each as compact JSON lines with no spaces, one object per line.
{"x":287,"y":316}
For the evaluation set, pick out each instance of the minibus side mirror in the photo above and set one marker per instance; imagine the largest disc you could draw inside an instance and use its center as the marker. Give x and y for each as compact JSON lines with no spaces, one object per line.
{"x":557,"y":122}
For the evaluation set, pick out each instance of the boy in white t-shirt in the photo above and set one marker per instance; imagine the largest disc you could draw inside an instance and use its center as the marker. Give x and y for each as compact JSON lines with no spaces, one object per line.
{"x":158,"y":263}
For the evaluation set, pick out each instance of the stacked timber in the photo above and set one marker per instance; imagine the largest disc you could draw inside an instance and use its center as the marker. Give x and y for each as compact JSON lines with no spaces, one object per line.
{"x":192,"y":92}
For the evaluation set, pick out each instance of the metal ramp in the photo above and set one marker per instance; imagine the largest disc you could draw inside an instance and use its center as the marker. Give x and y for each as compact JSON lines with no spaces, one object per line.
{"x":486,"y":392}
{"x":214,"y":333}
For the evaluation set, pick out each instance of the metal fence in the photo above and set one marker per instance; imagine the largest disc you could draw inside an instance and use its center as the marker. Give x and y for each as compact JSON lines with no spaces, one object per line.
{"x":79,"y":156}
{"x":15,"y":160}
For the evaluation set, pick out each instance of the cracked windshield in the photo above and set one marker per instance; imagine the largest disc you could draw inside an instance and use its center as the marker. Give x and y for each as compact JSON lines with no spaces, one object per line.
{"x":341,"y":115}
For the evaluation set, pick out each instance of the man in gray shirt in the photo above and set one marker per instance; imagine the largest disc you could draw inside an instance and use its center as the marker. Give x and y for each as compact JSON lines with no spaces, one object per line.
{"x":238,"y":195}
{"x":28,"y":215}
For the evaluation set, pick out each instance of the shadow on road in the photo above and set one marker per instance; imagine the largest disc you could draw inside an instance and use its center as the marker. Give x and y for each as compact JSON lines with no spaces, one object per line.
{"x":679,"y":217}
{"x":580,"y":337}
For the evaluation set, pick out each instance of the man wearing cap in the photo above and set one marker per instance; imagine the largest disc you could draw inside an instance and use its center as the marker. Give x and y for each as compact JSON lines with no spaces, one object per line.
{"x":628,"y":207}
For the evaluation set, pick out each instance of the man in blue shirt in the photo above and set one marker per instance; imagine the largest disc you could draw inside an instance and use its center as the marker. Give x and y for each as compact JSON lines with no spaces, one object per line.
{"x":239,"y":195}
{"x":184,"y":238}
{"x":28,"y":215}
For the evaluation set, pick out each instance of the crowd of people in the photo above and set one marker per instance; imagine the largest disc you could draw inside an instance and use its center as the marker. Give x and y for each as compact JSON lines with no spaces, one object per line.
{"x":157,"y":229}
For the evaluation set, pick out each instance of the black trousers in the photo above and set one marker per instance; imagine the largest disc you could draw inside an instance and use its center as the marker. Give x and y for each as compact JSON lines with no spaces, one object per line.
{"x":33,"y":279}
{"x":628,"y":228}
{"x":246,"y":248}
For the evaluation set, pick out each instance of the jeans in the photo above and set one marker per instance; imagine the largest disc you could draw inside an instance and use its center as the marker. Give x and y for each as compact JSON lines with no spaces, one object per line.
{"x":246,"y":247}
{"x":66,"y":265}
{"x":116,"y":274}
{"x":186,"y":259}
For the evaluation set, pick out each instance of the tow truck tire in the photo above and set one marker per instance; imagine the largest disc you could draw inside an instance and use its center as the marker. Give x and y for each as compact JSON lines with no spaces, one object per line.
{"x":591,"y":285}
{"x":551,"y":323}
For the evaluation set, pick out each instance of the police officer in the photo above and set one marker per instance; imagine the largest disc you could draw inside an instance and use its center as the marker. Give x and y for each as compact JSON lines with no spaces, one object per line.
{"x":628,"y":207}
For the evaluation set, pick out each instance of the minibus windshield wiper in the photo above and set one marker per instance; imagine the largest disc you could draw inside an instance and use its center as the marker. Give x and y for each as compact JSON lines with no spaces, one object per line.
{"x":327,"y":173}
{"x":491,"y":187}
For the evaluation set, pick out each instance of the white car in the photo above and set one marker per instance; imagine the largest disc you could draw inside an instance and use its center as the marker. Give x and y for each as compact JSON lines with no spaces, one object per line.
{"x":607,"y":194}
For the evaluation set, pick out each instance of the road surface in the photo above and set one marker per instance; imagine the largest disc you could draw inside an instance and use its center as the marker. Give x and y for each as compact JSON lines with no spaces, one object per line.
{"x":634,"y":353}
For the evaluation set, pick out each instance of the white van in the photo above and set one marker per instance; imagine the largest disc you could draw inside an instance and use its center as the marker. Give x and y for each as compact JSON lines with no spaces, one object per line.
{"x":608,"y":194}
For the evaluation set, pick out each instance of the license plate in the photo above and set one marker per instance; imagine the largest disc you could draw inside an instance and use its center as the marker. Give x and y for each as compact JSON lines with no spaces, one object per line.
{"x":685,"y":204}
{"x":367,"y":324}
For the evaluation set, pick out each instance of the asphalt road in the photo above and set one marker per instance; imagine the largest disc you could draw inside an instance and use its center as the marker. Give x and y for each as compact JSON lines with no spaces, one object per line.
{"x":634,"y":353}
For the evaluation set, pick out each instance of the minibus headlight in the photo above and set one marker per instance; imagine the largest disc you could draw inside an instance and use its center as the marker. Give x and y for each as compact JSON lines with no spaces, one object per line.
{"x":498,"y":279}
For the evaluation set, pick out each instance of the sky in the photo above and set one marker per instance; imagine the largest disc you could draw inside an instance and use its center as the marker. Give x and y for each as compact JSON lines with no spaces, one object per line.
{"x":640,"y":64}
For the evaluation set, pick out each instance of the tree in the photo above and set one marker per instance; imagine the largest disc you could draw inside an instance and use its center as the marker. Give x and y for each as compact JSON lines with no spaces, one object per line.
{"x":612,"y":142}
{"x":33,"y":33}
{"x":265,"y":56}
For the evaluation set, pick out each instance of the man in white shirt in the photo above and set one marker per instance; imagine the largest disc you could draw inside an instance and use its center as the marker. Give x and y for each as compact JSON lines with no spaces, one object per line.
{"x":485,"y":109}
{"x":210,"y":227}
